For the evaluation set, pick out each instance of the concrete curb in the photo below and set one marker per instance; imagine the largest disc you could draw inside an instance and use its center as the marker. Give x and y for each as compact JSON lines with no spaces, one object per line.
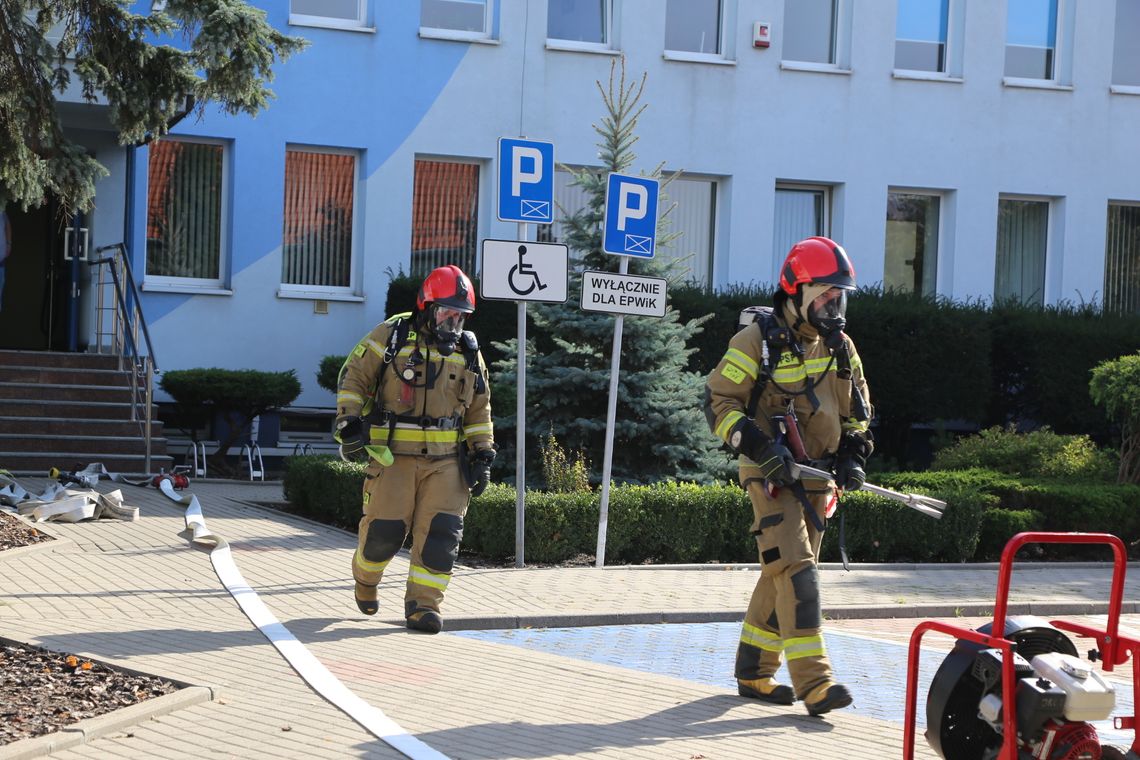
{"x":837,"y":612}
{"x":57,"y":541}
{"x":90,"y":729}
{"x":895,"y":566}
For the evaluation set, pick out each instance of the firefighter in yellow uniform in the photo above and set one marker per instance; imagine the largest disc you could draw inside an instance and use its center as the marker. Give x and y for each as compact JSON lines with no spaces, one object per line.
{"x":413,"y":401}
{"x":793,"y":361}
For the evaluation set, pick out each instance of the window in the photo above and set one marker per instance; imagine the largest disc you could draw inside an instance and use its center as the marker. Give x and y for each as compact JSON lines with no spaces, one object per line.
{"x":800,"y":212}
{"x":920,"y":35}
{"x":1031,"y":39}
{"x":1022,"y":242}
{"x":320,"y":202}
{"x":185,"y":212}
{"x":693,"y":26}
{"x":585,"y":21}
{"x":445,"y":213}
{"x":346,"y":14}
{"x":911,"y":263}
{"x":1122,"y":259}
{"x":693,"y":220}
{"x":1126,"y":53}
{"x":810,"y":31}
{"x":469,"y":17}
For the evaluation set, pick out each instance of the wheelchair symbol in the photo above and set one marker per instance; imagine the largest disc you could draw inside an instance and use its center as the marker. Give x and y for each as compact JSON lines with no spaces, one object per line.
{"x":524,"y":271}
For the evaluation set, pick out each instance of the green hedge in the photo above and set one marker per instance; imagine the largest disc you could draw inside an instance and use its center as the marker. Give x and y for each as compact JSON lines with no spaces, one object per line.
{"x":933,"y":359}
{"x":665,"y":523}
{"x":685,"y":523}
{"x":1037,"y":504}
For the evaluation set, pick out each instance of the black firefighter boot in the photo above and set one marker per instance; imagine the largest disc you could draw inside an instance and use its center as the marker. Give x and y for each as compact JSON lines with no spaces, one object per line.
{"x":426,"y":621}
{"x":826,"y":697}
{"x":365,"y":596}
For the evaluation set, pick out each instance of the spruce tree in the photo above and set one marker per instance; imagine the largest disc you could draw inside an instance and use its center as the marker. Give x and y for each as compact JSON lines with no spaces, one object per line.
{"x":660,"y":430}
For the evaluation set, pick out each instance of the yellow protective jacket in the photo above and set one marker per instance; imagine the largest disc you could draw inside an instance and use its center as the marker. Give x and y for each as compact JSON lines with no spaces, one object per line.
{"x":729,"y":388}
{"x":451,"y":403}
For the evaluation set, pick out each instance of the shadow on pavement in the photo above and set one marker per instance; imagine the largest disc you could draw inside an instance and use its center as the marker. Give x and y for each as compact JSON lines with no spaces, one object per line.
{"x":691,"y":720}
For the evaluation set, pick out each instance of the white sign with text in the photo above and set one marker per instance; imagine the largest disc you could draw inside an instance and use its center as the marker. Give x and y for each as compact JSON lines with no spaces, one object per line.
{"x":623,"y":293}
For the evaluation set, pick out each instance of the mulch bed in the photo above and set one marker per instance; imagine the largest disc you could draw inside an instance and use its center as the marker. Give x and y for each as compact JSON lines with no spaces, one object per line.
{"x":43,"y":691}
{"x":15,"y":532}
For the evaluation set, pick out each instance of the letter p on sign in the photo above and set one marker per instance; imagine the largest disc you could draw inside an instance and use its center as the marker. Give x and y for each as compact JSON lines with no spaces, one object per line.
{"x":627,"y":192}
{"x":518,"y":175}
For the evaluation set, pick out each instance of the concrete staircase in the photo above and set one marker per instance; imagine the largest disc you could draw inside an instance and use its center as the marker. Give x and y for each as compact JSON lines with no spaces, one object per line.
{"x":63,"y":410}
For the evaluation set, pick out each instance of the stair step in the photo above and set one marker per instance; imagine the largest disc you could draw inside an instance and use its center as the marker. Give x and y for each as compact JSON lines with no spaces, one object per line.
{"x":38,"y":463}
{"x":34,"y":426}
{"x":37,"y":408}
{"x":64,"y":392}
{"x":57,"y":359}
{"x":64,"y":376}
{"x":111,"y":444}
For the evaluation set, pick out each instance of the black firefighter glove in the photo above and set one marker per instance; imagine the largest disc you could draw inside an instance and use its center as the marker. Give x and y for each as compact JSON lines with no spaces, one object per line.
{"x":482,"y":469}
{"x":851,"y":459}
{"x":350,"y":433}
{"x":776,"y":462}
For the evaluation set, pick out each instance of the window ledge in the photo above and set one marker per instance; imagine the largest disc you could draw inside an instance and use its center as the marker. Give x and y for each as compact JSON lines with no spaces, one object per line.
{"x":818,"y":68}
{"x":686,"y":56}
{"x":1124,"y":89}
{"x":1035,"y":84}
{"x":925,"y":76}
{"x":193,"y":290}
{"x":319,"y":23}
{"x":318,"y":295}
{"x":570,"y":46}
{"x":455,"y":35}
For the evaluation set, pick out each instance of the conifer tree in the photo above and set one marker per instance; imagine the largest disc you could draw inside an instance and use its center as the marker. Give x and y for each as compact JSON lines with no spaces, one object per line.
{"x":147,"y":68}
{"x":660,"y":430}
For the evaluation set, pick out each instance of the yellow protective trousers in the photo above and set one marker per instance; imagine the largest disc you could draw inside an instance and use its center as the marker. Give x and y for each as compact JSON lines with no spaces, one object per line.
{"x":424,"y":496}
{"x":784,"y":619}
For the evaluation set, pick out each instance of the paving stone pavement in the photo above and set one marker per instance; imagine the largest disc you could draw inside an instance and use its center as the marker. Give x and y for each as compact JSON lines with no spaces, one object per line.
{"x":140,"y":595}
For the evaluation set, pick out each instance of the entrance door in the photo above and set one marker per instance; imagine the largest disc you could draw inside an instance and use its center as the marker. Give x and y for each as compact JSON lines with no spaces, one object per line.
{"x":37,"y":280}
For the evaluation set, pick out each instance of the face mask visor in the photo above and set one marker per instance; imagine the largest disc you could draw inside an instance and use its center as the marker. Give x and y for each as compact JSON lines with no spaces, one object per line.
{"x":446,"y":324}
{"x":828,"y":311}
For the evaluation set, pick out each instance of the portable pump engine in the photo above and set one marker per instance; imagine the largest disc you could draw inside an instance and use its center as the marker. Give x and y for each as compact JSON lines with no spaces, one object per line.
{"x":1056,"y":695}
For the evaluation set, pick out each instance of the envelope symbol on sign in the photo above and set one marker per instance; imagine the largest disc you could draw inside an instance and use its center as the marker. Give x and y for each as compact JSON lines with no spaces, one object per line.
{"x":638,"y":244}
{"x":535,"y":209}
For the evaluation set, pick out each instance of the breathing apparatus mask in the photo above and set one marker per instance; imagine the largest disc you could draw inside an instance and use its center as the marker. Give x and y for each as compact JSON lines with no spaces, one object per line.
{"x":445,"y":326}
{"x":826,"y":311}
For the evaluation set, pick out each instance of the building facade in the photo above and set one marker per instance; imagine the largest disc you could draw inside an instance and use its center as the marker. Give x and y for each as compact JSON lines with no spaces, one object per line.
{"x":967,"y":149}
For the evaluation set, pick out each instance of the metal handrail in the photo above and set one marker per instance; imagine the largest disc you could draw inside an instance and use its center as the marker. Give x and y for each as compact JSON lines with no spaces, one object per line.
{"x":127,"y":317}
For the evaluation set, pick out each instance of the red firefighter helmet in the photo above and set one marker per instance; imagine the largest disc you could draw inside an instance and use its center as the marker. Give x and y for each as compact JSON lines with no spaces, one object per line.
{"x":448,"y":287}
{"x":817,"y":260}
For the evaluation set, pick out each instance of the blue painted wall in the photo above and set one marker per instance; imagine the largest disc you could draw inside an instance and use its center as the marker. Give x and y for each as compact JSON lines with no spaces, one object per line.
{"x":747,"y":119}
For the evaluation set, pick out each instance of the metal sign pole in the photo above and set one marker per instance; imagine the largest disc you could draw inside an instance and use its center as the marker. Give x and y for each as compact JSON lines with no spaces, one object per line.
{"x":520,"y":430}
{"x":611,"y":417}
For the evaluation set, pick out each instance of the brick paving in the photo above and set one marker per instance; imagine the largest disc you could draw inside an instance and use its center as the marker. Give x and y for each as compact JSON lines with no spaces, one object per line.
{"x":140,"y":595}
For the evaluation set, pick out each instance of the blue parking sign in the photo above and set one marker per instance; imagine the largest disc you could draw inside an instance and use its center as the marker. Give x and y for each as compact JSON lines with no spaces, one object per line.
{"x":526,"y":181}
{"x":630,"y":227}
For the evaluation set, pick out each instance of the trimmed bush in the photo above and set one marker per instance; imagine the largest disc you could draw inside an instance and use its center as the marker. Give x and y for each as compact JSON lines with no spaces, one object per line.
{"x":235,"y":395}
{"x":1040,"y":453}
{"x":326,"y":489}
{"x":881,"y":530}
{"x":328,"y":373}
{"x":1115,"y":385}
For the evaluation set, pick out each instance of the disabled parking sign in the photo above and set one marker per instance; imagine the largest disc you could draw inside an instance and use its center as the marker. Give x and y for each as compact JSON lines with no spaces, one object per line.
{"x":526,"y":181}
{"x":630,"y":226}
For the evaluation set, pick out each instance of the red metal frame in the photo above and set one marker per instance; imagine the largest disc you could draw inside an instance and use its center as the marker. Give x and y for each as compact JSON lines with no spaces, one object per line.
{"x":1114,"y":649}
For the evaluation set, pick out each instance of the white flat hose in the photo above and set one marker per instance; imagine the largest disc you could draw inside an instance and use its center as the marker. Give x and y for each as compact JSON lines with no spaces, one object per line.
{"x":301,"y":659}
